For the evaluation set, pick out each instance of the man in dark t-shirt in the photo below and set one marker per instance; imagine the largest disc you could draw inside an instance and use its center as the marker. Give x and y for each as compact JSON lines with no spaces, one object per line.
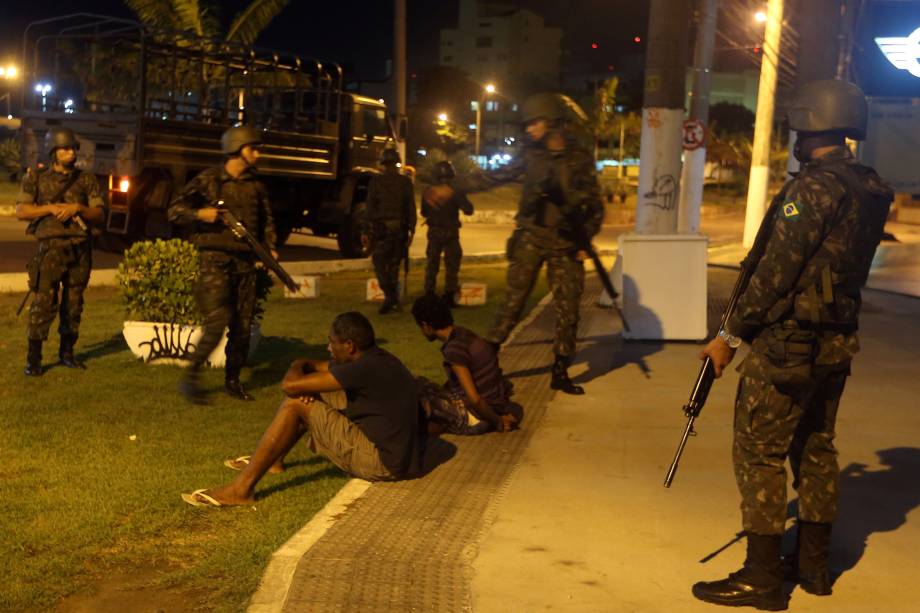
{"x":376,"y":437}
{"x":473,"y":374}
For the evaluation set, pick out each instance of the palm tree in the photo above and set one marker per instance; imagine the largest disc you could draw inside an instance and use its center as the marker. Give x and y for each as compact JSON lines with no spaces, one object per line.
{"x":202,"y":18}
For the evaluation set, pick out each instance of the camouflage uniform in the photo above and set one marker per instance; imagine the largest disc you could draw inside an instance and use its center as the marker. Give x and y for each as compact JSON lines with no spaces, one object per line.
{"x":557,"y":184}
{"x":226,"y":287}
{"x":800,"y":313}
{"x":64,"y":259}
{"x":392,"y":217}
{"x":444,"y":237}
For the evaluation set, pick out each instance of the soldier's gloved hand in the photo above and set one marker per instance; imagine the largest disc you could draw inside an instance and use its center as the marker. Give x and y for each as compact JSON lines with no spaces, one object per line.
{"x":208,"y":214}
{"x":720,"y":353}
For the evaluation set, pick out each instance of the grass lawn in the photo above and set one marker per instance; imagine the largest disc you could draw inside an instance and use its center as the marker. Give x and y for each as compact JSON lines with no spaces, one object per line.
{"x":93,"y":462}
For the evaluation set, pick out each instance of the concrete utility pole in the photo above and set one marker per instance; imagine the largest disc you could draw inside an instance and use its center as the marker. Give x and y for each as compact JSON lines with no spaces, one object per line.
{"x":662,"y":117}
{"x":759,"y":179}
{"x":694,"y":170}
{"x":656,"y":264}
{"x":399,"y":73}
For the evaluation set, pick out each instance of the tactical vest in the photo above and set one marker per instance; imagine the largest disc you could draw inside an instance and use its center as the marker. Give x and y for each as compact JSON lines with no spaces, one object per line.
{"x":827,"y":295}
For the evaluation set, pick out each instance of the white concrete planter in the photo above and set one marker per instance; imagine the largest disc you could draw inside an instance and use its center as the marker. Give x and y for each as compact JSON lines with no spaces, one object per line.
{"x":163,"y":343}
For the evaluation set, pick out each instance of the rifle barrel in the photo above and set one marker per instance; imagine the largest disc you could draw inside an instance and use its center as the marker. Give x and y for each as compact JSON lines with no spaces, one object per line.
{"x":672,"y":471}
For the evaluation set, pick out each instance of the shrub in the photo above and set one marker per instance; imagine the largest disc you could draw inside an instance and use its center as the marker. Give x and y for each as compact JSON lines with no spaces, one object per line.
{"x":157,"y":278}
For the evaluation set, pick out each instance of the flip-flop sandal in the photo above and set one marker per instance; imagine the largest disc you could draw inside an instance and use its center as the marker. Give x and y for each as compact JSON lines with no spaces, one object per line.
{"x":198,"y":498}
{"x":238,"y":463}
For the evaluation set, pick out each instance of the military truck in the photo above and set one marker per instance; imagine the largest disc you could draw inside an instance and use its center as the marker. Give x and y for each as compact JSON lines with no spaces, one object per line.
{"x":148,"y":107}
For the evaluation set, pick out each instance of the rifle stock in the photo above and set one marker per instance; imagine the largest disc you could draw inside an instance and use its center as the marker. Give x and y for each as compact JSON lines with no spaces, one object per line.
{"x":240,"y":231}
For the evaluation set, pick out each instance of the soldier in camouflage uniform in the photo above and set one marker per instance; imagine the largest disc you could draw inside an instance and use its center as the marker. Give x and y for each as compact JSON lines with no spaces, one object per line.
{"x":560,"y":190}
{"x":391,"y":215}
{"x":56,"y":202}
{"x":443,"y":220}
{"x":226,"y":287}
{"x":800,"y":313}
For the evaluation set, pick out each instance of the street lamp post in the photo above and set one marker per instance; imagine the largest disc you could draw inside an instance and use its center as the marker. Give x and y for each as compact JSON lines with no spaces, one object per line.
{"x":488,"y":89}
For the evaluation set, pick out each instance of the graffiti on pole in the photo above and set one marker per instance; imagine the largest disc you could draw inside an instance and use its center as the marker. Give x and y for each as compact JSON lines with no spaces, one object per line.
{"x":663,"y":194}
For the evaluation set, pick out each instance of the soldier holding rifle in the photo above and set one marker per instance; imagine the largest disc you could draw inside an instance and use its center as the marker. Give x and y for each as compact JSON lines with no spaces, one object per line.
{"x":58,"y":203}
{"x":559,"y":212}
{"x":226,"y":288}
{"x":799,"y":311}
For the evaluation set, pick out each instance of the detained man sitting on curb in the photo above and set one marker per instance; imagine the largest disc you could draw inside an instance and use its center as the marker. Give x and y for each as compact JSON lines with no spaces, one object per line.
{"x":476,"y":397}
{"x":376,"y":437}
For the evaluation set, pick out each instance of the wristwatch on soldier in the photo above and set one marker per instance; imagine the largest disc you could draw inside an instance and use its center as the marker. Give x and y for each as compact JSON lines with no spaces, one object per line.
{"x":730,"y":339}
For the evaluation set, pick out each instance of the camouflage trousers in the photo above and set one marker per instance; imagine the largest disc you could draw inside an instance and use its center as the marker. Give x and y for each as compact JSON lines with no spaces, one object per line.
{"x":566,"y":277}
{"x":226,"y":296}
{"x":446,"y":241}
{"x":771,"y":425}
{"x":63,"y":273}
{"x":387,"y":255}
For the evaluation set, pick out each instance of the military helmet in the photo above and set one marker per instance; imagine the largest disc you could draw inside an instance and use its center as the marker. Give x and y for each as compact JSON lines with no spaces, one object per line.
{"x":444,"y":171}
{"x":58,"y":138}
{"x":829,"y":105}
{"x":237,"y":137}
{"x":552,"y":107}
{"x":390,"y":156}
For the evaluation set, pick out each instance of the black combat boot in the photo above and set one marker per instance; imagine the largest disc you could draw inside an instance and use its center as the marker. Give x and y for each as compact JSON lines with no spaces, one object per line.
{"x":449,"y":300}
{"x":34,"y":359}
{"x":388,"y":306}
{"x":65,"y":353}
{"x":808,"y":566}
{"x":758,"y":584}
{"x":234,"y":388}
{"x":190,"y":387}
{"x":561,"y":379}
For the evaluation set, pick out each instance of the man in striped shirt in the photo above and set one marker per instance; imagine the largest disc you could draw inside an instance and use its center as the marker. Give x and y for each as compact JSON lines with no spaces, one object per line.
{"x":471,"y":364}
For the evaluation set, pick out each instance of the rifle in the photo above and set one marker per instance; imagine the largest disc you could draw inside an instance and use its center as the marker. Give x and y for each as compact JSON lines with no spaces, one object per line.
{"x":707,"y":374}
{"x":241,"y":232}
{"x":405,"y":255}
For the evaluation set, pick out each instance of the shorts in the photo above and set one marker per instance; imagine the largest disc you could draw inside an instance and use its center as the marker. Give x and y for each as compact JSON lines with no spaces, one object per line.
{"x":342,"y":442}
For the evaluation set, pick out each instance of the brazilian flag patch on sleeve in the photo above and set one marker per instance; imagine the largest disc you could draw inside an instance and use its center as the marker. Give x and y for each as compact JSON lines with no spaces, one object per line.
{"x":791,"y":210}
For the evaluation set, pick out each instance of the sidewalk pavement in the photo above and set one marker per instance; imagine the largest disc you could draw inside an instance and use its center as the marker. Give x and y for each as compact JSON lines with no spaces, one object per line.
{"x":569,"y":513}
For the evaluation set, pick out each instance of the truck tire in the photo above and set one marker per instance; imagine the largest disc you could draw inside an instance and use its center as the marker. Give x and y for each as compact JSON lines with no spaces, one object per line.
{"x":349,"y":235}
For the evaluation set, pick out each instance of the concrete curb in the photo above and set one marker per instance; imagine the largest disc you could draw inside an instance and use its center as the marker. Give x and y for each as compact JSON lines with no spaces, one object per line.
{"x":276,"y":581}
{"x":16,"y":282}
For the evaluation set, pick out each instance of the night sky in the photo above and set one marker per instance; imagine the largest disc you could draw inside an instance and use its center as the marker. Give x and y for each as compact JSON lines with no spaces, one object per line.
{"x":358,"y":33}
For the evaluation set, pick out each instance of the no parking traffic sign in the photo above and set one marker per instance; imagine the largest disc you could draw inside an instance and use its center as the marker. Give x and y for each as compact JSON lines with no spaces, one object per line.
{"x":694,"y":134}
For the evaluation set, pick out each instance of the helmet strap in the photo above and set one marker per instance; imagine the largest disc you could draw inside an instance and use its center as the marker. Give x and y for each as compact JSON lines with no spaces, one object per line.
{"x":807,"y":142}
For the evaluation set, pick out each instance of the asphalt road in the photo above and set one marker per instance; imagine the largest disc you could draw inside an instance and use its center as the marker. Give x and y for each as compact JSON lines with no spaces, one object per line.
{"x":16,"y":248}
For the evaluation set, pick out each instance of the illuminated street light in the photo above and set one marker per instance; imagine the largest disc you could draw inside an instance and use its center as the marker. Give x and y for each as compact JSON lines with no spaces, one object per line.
{"x":8,"y":72}
{"x":442,"y":117}
{"x":489,"y":89}
{"x":760,"y":17}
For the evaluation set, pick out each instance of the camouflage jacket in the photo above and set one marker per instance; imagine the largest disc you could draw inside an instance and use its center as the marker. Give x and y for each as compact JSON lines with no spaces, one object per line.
{"x":245,"y":197}
{"x":557,"y":185}
{"x":817,"y":256}
{"x":39,"y":187}
{"x":448,"y":214}
{"x":391,"y":198}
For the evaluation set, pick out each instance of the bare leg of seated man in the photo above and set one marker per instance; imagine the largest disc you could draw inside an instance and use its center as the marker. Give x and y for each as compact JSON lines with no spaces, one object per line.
{"x":287,"y":427}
